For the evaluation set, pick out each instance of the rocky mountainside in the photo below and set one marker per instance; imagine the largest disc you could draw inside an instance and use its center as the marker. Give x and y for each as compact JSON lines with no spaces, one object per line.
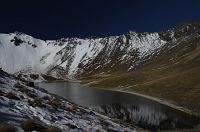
{"x":73,"y":57}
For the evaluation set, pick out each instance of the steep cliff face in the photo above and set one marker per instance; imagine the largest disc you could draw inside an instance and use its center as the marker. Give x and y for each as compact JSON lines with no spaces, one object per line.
{"x":123,"y":53}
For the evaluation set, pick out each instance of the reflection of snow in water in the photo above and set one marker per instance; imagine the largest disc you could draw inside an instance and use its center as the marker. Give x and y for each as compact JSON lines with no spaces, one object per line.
{"x":142,"y":113}
{"x":147,"y":116}
{"x":150,"y":116}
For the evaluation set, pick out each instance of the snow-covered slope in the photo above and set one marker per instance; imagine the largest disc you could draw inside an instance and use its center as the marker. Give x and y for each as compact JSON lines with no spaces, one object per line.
{"x":25,"y":107}
{"x":22,"y":52}
{"x":73,"y":56}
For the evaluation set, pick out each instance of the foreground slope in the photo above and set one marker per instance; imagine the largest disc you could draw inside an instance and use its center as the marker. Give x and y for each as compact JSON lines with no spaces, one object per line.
{"x":27,"y":107}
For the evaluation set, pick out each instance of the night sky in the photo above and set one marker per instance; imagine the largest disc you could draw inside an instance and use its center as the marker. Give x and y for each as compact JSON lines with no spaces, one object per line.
{"x":54,"y":19}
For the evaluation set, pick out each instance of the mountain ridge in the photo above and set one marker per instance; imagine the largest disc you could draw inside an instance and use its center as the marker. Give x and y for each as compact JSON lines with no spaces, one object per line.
{"x":76,"y":57}
{"x":62,"y":46}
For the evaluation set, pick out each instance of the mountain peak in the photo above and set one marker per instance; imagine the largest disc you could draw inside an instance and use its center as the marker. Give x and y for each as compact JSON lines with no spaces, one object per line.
{"x":19,"y":33}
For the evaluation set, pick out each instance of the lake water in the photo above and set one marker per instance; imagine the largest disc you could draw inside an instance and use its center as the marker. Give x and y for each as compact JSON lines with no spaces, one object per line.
{"x":133,"y":109}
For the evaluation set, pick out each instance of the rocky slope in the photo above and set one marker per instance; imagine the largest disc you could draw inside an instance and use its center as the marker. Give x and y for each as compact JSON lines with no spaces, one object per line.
{"x":25,"y":107}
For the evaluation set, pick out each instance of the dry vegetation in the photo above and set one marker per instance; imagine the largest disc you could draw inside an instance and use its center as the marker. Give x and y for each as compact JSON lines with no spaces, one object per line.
{"x":31,"y":125}
{"x":4,"y":127}
{"x":53,"y":129}
{"x":23,"y":89}
{"x":49,"y":78}
{"x":34,"y":76}
{"x":11,"y":95}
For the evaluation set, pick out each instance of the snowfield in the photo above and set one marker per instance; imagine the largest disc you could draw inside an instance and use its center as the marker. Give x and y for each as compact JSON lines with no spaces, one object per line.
{"x":73,"y":56}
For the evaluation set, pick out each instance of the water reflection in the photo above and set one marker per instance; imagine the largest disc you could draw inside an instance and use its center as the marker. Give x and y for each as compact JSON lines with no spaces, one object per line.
{"x":130,"y":108}
{"x":149,"y":117}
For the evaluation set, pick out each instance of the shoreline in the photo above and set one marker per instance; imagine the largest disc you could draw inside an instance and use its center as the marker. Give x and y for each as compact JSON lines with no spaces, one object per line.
{"x":161,"y":101}
{"x":72,"y":81}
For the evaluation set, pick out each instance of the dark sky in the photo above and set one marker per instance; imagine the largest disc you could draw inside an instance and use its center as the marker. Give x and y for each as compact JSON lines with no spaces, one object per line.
{"x":53,"y":19}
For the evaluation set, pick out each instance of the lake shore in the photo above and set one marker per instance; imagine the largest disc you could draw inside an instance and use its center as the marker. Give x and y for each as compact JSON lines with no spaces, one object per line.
{"x":102,"y":94}
{"x":159,"y":100}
